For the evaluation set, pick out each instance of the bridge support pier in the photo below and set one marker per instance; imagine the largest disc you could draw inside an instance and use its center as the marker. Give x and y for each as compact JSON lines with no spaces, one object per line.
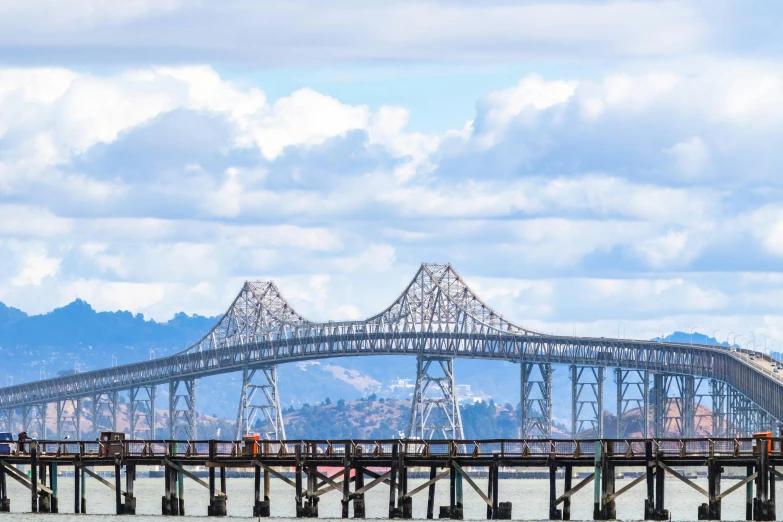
{"x":269,"y":405}
{"x":7,"y":421}
{"x":182,"y":409}
{"x":34,"y":420}
{"x":587,"y":389}
{"x":141,"y":412}
{"x":5,"y":502}
{"x":435,"y":408}
{"x":633,"y":393}
{"x":65,"y":428}
{"x":535,"y":396}
{"x":104,"y":412}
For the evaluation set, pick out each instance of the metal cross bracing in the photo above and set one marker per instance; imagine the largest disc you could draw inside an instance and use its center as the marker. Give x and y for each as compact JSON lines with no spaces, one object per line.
{"x":436,"y":316}
{"x":104,"y":412}
{"x":535,"y":402}
{"x":435,"y":407}
{"x":633,"y":394}
{"x":182,"y":409}
{"x":267,"y":402}
{"x":34,"y":420}
{"x":8,"y":420}
{"x":141,"y":412}
{"x":673,"y":399}
{"x":719,"y":406}
{"x":587,"y":401}
{"x":69,"y":419}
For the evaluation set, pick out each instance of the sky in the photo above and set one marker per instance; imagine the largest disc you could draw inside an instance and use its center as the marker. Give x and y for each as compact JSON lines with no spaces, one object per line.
{"x":591,"y":167}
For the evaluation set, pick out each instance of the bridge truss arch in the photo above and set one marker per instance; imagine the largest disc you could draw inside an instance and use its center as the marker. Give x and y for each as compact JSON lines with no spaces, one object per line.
{"x":436,"y":318}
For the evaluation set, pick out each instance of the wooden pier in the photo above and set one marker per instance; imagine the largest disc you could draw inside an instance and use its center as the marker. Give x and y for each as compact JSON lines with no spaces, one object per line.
{"x":302,"y":465}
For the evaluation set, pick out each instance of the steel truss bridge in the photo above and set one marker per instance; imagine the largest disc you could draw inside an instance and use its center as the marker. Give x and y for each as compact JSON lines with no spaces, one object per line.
{"x":437,"y":318}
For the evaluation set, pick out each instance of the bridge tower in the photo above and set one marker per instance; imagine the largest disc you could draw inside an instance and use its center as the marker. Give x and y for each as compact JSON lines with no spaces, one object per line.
{"x":535,"y":402}
{"x":262,"y":379}
{"x":141,"y":412}
{"x":633,"y":393}
{"x":182,"y":409}
{"x":435,"y":409}
{"x":587,"y":400}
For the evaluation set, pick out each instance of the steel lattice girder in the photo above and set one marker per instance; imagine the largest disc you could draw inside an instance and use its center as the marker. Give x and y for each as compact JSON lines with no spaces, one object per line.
{"x":268,"y":402}
{"x":436,"y":316}
{"x":435,"y":408}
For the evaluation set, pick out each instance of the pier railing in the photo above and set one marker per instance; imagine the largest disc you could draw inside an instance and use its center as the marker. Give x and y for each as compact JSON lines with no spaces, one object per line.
{"x":327,"y":449}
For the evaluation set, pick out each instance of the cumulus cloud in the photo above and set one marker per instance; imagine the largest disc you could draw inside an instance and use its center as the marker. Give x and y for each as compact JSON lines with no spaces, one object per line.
{"x":156,"y":188}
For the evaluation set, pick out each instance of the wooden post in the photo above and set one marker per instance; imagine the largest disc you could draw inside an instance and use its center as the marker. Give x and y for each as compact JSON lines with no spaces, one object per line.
{"x":54,"y":506}
{"x":749,"y":495}
{"x":660,"y":501}
{"x":358,"y":498}
{"x":84,"y":490}
{"x":597,"y":515}
{"x":77,"y":508}
{"x":118,"y":489}
{"x":210,"y":510}
{"x":5,"y":502}
{"x":452,"y":490}
{"x":44,"y":500}
{"x":569,"y":473}
{"x":257,"y":491}
{"x":130,"y":499}
{"x":554,"y":512}
{"x":34,"y":475}
{"x":298,"y":457}
{"x":649,"y":502}
{"x":166,"y":501}
{"x":431,"y":494}
{"x":608,"y":511}
{"x":495,"y":485}
{"x":346,"y":479}
{"x":460,"y":504}
{"x":489,"y":491}
{"x":181,"y":493}
{"x":393,"y":481}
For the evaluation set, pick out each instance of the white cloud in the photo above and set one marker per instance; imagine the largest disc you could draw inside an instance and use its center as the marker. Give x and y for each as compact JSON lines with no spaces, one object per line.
{"x":690,"y":156}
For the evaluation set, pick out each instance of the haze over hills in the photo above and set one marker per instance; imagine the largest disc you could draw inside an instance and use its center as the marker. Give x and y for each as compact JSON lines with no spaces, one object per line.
{"x":76,"y":336}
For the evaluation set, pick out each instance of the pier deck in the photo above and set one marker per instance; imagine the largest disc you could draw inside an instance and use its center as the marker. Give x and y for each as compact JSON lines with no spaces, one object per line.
{"x":301,"y":464}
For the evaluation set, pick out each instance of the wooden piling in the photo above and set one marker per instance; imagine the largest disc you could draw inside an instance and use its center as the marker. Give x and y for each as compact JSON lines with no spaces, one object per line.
{"x":554,"y":512}
{"x":298,"y":461}
{"x":34,"y":475}
{"x":431,"y":494}
{"x":452,"y":490}
{"x":83,"y":506}
{"x":77,"y":508}
{"x":495,"y":485}
{"x":749,"y":495}
{"x":649,"y":502}
{"x":393,"y":482}
{"x":569,"y":474}
{"x":129,"y":508}
{"x":597,"y":458}
{"x":358,"y":498}
{"x":490,"y":483}
{"x":118,"y":489}
{"x":54,"y":501}
{"x":257,"y":491}
{"x":346,"y":480}
{"x":660,"y":501}
{"x":181,"y":493}
{"x":5,"y":502}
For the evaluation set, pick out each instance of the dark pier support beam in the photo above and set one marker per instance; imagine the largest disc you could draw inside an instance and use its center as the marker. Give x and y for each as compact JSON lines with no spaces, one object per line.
{"x":129,"y":508}
{"x":554,"y":512}
{"x":54,"y":500}
{"x":393,"y":481}
{"x":260,"y":507}
{"x":649,"y":501}
{"x":749,"y":495}
{"x":490,"y":484}
{"x":44,"y":498}
{"x":180,"y":492}
{"x":495,"y":489}
{"x":346,"y":480}
{"x":431,"y":494}
{"x":298,"y":498}
{"x":118,"y":489}
{"x":712,"y":509}
{"x":569,"y":475}
{"x":358,"y":498}
{"x":77,"y":487}
{"x":34,"y":476}
{"x":660,"y":510}
{"x":404,"y":503}
{"x":5,"y":502}
{"x":83,"y":474}
{"x":764,"y":506}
